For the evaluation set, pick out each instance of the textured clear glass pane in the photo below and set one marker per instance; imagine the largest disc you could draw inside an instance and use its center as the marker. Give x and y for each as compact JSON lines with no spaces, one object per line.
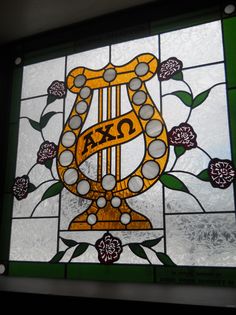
{"x":38,"y":77}
{"x":47,"y":208}
{"x":211,"y":118}
{"x":71,"y":206}
{"x":205,"y":119}
{"x":69,"y":102}
{"x":52,"y":131}
{"x":150,"y":203}
{"x":132,"y":154}
{"x":202,"y":240}
{"x":125,"y":102}
{"x":28,"y":138}
{"x":92,"y":117}
{"x":92,"y":59}
{"x":153,"y":88}
{"x":89,"y":167}
{"x":32,"y":108}
{"x":30,"y":141}
{"x":194,"y":45}
{"x":124,"y":52}
{"x":33,"y":239}
{"x":210,"y":198}
{"x":113,"y":160}
{"x":113,"y":102}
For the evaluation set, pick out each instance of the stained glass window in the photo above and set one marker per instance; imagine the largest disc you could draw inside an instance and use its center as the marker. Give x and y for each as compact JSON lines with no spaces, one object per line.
{"x":126,"y":155}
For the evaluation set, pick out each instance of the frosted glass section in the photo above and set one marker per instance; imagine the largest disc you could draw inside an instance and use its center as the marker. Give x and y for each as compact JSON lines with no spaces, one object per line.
{"x":92,"y":118}
{"x":33,"y":239}
{"x":113,"y":161}
{"x":180,"y":202}
{"x":132,"y":154}
{"x":202,"y":240}
{"x":171,"y":119}
{"x":38,"y":77}
{"x":153,"y":88}
{"x":113,"y":102}
{"x":213,"y":118}
{"x":92,"y":59}
{"x":53,"y":129}
{"x":193,"y":161}
{"x":89,"y":167}
{"x":194,"y":45}
{"x":211,"y":199}
{"x":150,"y":203}
{"x":125,"y":102}
{"x":71,"y":206}
{"x":124,"y":52}
{"x":203,"y":78}
{"x":69,"y":103}
{"x":47,"y":208}
{"x":32,"y":108}
{"x":104,"y":162}
{"x":29,"y":143}
{"x":28,"y":146}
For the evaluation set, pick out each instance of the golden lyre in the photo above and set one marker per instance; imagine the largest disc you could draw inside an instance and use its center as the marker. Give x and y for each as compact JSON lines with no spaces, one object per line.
{"x":109,"y":209}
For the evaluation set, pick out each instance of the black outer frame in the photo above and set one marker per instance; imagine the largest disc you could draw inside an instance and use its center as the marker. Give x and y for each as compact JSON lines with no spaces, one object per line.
{"x":137,"y":22}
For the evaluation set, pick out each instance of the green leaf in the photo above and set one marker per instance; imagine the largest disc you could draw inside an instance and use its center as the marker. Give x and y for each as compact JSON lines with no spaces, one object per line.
{"x":53,"y":190}
{"x":138,"y":250}
{"x":178,"y":76}
{"x":45,"y":118}
{"x":204,"y":175}
{"x":80,"y":249}
{"x":151,"y":243}
{"x":172,"y":182}
{"x":48,"y":164}
{"x":69,"y":243}
{"x":185,"y":97}
{"x":51,"y":98}
{"x":31,"y":187}
{"x":35,"y":124}
{"x":200,"y":98}
{"x":57,"y":257}
{"x":165,"y":259}
{"x":179,"y":150}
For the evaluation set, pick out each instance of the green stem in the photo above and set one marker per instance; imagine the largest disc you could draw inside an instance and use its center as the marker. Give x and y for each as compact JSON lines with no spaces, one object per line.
{"x":31,"y":168}
{"x":191,"y":92}
{"x":176,"y":159}
{"x":47,"y":181}
{"x":189,"y":173}
{"x":208,"y":155}
{"x":192,"y":96}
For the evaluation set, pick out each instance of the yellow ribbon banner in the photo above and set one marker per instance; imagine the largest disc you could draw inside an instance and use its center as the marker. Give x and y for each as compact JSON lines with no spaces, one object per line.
{"x":107,"y":134}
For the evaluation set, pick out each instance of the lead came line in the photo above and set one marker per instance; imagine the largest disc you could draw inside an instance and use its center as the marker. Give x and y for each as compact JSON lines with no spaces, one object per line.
{"x":108,"y":118}
{"x":100,"y":114}
{"x":118,"y":148}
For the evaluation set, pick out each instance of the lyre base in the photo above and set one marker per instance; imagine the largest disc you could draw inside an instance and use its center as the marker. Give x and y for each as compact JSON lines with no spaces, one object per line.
{"x":110,"y":218}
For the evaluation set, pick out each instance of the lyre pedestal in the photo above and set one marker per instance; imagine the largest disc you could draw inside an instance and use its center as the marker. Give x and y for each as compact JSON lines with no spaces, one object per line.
{"x":110,"y":218}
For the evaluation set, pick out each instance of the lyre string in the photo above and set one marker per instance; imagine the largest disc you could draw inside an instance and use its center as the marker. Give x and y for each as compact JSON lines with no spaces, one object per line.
{"x":118,"y":148}
{"x":109,"y":107}
{"x":100,"y":119}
